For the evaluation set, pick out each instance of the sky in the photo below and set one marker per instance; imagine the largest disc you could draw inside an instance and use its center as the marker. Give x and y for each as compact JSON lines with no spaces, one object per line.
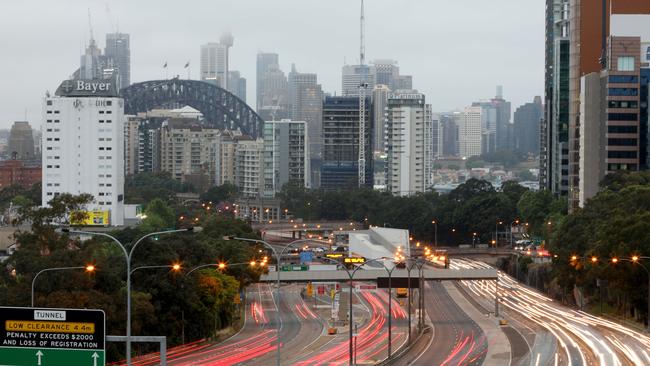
{"x":456,"y":50}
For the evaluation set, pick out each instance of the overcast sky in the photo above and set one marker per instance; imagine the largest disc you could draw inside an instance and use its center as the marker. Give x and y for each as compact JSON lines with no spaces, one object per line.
{"x":456,"y":50}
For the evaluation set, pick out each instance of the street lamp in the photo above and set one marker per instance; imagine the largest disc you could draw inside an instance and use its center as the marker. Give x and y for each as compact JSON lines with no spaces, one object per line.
{"x":89,"y":268}
{"x":435,"y":235}
{"x":278,"y":258}
{"x":128,"y":255}
{"x":511,"y":225}
{"x":635,"y":260}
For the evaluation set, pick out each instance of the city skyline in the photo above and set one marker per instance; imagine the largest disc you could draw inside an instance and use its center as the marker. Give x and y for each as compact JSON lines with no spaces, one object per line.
{"x":451,"y":71}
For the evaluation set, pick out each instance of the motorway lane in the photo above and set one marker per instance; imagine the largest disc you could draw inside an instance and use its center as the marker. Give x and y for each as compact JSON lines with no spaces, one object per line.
{"x":585,"y":339}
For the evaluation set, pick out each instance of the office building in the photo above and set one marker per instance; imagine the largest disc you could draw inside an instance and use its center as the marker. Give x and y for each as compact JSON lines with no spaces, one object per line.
{"x":306,"y":104}
{"x":353,"y":75}
{"x":286,"y":155}
{"x":526,"y":126}
{"x":272,"y":88}
{"x":214,"y":61}
{"x":470,"y":132}
{"x":19,"y":172}
{"x":83,"y":145}
{"x":339,"y":169}
{"x":409,"y":143}
{"x":237,"y":84}
{"x":554,"y":129}
{"x":449,"y":125}
{"x":266,"y":62}
{"x":21,"y":142}
{"x":118,"y":49}
{"x":614,"y":106}
{"x":436,"y":135}
{"x":588,"y":54}
{"x":495,"y":125}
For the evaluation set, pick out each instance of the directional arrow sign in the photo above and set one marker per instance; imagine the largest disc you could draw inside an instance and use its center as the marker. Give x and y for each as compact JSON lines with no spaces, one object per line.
{"x":46,"y":337}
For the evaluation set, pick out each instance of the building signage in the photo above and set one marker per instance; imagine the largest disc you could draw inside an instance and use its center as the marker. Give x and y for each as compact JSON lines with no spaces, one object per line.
{"x":355,"y":260}
{"x":87,"y":88}
{"x":405,"y":96}
{"x":43,"y":337}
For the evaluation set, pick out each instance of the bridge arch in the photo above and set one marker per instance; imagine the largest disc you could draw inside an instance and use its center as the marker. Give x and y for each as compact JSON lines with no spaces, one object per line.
{"x":220,"y":108}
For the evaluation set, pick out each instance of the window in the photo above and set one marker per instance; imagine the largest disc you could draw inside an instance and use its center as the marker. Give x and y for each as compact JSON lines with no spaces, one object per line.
{"x":623,"y":92}
{"x":109,"y":103}
{"x":622,"y":104}
{"x":622,"y":116}
{"x":621,"y":129}
{"x":49,"y":102}
{"x":623,"y":79}
{"x":622,"y":142}
{"x":625,"y":63}
{"x":621,"y":154}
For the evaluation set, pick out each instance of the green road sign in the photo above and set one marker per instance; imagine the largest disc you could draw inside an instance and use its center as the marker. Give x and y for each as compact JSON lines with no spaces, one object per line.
{"x":46,"y":337}
{"x":294,"y":268}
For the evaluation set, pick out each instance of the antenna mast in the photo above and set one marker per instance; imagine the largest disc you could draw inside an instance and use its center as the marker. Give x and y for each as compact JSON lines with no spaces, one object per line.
{"x":362,"y":102}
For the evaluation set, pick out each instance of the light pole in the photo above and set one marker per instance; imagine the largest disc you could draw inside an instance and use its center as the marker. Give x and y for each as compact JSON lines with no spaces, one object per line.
{"x":496,"y":233}
{"x":435,"y":235}
{"x":511,"y":225}
{"x":635,"y":260}
{"x":418,"y":263}
{"x":89,"y":268}
{"x":128,"y":256}
{"x":278,"y":259}
{"x":351,"y":276}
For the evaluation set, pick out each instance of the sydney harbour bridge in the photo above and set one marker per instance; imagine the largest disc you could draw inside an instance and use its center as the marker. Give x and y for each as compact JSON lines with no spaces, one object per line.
{"x":220,"y":108}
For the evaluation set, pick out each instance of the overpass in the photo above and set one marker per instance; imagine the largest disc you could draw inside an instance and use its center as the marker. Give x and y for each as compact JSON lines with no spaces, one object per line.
{"x":373,"y":274}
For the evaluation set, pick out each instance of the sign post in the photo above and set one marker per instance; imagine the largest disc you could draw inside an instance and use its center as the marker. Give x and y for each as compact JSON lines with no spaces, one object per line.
{"x":44,"y":337}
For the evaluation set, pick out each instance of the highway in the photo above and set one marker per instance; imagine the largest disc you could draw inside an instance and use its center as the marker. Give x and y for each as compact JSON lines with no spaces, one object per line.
{"x":582,"y":338}
{"x":457,"y":340}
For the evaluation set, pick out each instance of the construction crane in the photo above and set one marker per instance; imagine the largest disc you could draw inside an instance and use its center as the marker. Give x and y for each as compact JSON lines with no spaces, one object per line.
{"x":363,"y":85}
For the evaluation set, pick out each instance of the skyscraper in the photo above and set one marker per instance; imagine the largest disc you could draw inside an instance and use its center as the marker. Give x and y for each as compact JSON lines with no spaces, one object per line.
{"x":265,"y":63}
{"x":306,"y":104}
{"x":495,"y":124}
{"x":237,"y":84}
{"x":379,"y":101}
{"x":409,"y":143}
{"x":470,"y":131}
{"x":83,"y":146}
{"x":21,"y":142}
{"x":340,"y":162}
{"x":272,"y":88}
{"x":351,"y":78}
{"x":526,"y":126}
{"x":118,"y":49}
{"x":214,"y":61}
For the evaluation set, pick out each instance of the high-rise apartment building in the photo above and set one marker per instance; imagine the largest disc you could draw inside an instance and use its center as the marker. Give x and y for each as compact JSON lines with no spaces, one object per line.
{"x":21,"y":142}
{"x":118,"y":49}
{"x":186,"y":149}
{"x":526,"y":126}
{"x":339,"y":169}
{"x":214,"y":61}
{"x":379,"y":104}
{"x":249,"y":155}
{"x":409,"y":143}
{"x":286,"y":155}
{"x":83,"y":145}
{"x":470,"y":131}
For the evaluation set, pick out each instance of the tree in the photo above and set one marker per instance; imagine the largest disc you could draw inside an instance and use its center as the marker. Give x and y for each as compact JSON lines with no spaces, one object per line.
{"x":226,"y":192}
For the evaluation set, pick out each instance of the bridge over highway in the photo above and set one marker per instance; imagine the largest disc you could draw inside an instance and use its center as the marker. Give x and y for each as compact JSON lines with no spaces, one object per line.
{"x":373,"y":274}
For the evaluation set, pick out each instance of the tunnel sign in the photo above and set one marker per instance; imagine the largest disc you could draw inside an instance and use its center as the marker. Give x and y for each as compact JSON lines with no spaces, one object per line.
{"x":48,"y":337}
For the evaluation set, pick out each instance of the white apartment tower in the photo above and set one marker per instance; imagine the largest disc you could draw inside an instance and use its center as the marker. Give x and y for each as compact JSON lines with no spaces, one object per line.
{"x":470,"y":132}
{"x":409,"y":143}
{"x":286,"y":155}
{"x":83,"y":146}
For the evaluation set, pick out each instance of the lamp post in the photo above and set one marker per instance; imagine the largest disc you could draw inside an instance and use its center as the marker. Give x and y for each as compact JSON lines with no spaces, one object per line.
{"x":278,"y":259}
{"x":435,"y":235}
{"x":89,"y":268}
{"x":128,"y":256}
{"x":351,"y":276}
{"x":419,"y":265}
{"x":496,"y":233}
{"x":511,"y":225}
{"x":635,"y":260}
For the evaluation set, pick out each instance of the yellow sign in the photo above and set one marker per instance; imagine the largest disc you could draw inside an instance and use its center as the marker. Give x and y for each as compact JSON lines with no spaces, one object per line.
{"x":334,"y":255}
{"x":48,"y":327}
{"x":332,"y":293}
{"x":310,"y":290}
{"x":93,"y":218}
{"x":355,"y":260}
{"x":237,"y":299}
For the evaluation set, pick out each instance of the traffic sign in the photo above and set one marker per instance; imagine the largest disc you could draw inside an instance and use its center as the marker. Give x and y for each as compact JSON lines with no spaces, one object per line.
{"x":355,"y":260}
{"x":45,"y":336}
{"x":294,"y":268}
